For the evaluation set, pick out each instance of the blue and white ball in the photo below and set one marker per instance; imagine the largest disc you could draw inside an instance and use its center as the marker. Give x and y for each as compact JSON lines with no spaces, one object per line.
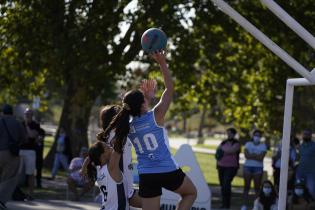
{"x":153,"y":40}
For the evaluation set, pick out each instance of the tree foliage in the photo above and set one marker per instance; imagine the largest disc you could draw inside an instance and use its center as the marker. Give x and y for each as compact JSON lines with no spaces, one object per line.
{"x":78,"y":49}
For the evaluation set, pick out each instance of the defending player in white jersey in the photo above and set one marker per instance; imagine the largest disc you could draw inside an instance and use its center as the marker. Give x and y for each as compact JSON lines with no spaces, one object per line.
{"x":125,"y":163}
{"x":104,"y":169}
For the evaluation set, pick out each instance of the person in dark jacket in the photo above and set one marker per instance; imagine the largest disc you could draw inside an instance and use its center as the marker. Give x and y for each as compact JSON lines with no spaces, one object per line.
{"x":10,"y":130}
{"x":39,"y":156}
{"x":63,"y":152}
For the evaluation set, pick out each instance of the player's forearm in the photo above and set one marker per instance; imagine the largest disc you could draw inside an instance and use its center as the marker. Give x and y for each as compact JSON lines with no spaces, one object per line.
{"x":114,"y":166}
{"x":168,"y":82}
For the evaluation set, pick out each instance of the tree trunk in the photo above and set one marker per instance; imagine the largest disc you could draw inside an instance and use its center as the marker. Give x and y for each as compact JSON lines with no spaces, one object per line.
{"x":201,"y":125}
{"x":184,"y":122}
{"x":75,"y":120}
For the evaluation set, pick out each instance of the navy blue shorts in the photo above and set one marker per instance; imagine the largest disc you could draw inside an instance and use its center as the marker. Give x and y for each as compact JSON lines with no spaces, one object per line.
{"x":150,"y":185}
{"x":253,"y":170}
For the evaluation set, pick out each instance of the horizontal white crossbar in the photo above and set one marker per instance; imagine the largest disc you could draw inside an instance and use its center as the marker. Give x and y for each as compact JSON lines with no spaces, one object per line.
{"x":299,"y":82}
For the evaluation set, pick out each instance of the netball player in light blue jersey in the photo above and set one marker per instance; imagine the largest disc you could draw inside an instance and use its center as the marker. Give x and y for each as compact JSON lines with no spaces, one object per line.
{"x":157,"y":167}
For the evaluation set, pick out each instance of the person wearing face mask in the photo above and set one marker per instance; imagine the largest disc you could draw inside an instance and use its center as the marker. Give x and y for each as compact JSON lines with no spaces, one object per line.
{"x":306,"y":169}
{"x":276,"y":163}
{"x":268,"y":198}
{"x":227,"y":165}
{"x":300,"y":199}
{"x":255,"y":151}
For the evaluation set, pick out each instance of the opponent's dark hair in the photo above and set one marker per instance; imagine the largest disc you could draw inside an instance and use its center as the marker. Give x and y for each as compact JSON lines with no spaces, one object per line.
{"x":132,"y":103}
{"x":106,"y":116}
{"x":95,"y":152}
{"x":267,"y":201}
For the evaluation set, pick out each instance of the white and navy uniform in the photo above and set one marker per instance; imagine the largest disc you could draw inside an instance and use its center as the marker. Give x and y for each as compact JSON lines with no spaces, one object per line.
{"x":125,"y":165}
{"x":114,"y":195}
{"x":156,"y":166}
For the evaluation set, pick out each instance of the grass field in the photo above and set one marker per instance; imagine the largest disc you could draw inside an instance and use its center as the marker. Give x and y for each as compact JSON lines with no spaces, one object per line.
{"x":206,"y":161}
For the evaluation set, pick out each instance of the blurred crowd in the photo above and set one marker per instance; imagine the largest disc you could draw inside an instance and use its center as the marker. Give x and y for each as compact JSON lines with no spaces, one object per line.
{"x":21,"y":158}
{"x":301,"y":173}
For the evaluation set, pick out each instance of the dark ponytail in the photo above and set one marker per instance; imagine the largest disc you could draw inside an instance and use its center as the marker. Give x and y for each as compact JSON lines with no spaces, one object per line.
{"x":107,"y":114}
{"x":132,"y":104}
{"x":95,"y":152}
{"x":121,"y":124}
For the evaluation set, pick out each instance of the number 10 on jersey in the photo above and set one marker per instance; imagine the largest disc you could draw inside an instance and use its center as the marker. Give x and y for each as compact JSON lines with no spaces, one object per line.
{"x":150,"y":143}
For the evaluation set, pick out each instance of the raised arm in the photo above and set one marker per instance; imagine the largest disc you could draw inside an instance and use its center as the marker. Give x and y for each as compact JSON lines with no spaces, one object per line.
{"x":83,"y":170}
{"x":113,"y":165}
{"x":166,"y":98}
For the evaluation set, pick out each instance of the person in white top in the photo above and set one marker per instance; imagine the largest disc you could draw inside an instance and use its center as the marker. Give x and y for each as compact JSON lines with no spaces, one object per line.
{"x":125,"y":163}
{"x":268,"y":198}
{"x":255,"y":151}
{"x":104,"y":169}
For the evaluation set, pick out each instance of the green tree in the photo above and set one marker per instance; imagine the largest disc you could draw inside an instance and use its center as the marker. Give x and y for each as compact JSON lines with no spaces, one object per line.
{"x":237,"y":79}
{"x":80,"y":48}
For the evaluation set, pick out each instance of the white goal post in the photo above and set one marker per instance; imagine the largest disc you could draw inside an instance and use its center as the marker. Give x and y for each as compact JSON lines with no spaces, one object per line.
{"x":307,"y":80}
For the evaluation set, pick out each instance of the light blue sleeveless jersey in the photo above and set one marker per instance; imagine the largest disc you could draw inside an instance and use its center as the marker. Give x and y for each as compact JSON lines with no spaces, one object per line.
{"x":151,"y":145}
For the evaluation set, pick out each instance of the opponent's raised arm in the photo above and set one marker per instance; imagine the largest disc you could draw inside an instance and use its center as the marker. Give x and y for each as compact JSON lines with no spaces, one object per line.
{"x":166,"y":98}
{"x":148,"y":87}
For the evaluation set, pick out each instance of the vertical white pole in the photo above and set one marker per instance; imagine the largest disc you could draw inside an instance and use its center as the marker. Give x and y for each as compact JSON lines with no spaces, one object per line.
{"x":289,"y":21}
{"x":285,"y":146}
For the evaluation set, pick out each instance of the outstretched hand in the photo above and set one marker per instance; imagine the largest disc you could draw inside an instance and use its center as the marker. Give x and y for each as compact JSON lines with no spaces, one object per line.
{"x":159,"y":57}
{"x":148,"y":87}
{"x":83,"y":173}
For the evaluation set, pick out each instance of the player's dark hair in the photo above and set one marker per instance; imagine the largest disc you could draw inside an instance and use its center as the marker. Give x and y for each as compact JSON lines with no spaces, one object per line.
{"x":95,"y":152}
{"x":132,"y":104}
{"x":106,"y":116}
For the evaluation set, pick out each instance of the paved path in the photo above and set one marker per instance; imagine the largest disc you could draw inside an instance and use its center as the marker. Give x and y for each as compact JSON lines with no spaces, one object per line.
{"x":52,"y":205}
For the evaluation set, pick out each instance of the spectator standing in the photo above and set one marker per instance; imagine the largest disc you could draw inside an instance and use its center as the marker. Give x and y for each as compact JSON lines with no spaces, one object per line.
{"x":276,"y":162}
{"x":75,"y":179}
{"x":306,"y":169}
{"x":28,"y":150}
{"x":63,"y":152}
{"x":12,"y":133}
{"x":39,"y":143}
{"x":268,"y":198}
{"x":39,"y":156}
{"x":227,"y":165}
{"x":255,"y":152}
{"x":300,"y":199}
